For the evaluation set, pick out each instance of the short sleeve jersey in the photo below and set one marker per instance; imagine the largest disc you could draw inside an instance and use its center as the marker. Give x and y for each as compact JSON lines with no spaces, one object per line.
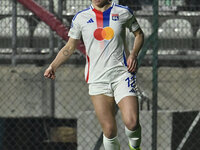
{"x":102,"y":34}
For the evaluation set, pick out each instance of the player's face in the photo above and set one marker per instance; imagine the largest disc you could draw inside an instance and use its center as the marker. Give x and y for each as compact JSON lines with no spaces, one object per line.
{"x":100,"y":3}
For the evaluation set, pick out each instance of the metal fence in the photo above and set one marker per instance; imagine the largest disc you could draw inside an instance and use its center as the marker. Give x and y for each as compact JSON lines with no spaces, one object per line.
{"x":36,"y":113}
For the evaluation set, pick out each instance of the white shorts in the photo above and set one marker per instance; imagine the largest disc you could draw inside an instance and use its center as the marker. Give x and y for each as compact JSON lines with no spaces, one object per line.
{"x":125,"y":86}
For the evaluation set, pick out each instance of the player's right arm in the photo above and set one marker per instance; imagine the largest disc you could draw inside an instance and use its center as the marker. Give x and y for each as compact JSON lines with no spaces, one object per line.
{"x":61,"y":57}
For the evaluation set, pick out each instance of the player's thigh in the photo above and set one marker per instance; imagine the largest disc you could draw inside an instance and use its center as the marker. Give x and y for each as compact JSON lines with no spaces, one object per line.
{"x":130,"y":111}
{"x":104,"y":108}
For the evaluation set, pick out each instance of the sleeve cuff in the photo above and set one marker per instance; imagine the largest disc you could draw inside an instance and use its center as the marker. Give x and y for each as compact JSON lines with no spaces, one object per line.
{"x":135,"y":26}
{"x":74,"y":36}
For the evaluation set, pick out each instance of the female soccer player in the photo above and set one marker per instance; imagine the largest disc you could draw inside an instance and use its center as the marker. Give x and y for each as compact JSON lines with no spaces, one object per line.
{"x":110,"y":68}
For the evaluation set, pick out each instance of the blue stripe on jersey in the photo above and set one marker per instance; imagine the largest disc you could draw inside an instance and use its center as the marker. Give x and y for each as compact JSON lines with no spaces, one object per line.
{"x":125,"y":7}
{"x":124,"y":57}
{"x":106,"y":17}
{"x":80,"y":12}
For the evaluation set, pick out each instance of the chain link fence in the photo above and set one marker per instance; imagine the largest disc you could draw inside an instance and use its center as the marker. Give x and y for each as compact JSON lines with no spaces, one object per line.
{"x":37,"y":113}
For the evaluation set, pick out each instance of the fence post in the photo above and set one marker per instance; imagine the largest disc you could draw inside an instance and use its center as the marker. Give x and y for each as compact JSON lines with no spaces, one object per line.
{"x":155,"y":75}
{"x":51,"y":47}
{"x":14,"y":31}
{"x":60,"y":16}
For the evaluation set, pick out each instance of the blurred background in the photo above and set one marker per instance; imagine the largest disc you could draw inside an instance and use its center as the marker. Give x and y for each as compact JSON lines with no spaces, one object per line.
{"x":37,"y":113}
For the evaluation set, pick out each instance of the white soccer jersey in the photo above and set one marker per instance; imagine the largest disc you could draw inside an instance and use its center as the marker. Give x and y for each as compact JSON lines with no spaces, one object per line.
{"x":103,"y":36}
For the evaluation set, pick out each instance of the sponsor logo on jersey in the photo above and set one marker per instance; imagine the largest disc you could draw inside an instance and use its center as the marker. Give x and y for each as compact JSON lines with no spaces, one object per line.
{"x":115,"y":17}
{"x":106,"y":33}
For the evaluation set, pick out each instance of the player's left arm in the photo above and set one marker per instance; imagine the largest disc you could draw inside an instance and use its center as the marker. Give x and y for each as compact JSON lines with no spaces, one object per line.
{"x":138,"y":42}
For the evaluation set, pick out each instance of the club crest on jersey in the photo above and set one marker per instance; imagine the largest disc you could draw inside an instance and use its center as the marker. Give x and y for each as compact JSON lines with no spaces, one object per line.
{"x":115,"y":17}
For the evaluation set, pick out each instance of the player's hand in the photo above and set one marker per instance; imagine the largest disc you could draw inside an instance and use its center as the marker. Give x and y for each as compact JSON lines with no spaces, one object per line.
{"x":132,"y":63}
{"x":50,"y":73}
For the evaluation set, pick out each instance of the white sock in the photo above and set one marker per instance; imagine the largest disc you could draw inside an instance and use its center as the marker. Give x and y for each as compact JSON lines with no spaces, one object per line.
{"x":134,"y":137}
{"x":111,"y":144}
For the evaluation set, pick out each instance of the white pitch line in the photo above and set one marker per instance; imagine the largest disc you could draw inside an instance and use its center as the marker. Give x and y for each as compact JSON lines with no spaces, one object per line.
{"x":194,"y":123}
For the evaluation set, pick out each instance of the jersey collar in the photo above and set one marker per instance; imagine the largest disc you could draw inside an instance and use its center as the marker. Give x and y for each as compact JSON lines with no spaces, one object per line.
{"x":92,"y":7}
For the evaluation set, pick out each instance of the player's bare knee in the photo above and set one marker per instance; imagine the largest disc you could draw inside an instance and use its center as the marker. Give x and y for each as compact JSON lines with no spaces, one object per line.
{"x":110,"y":134}
{"x":110,"y":131}
{"x":131,"y":124}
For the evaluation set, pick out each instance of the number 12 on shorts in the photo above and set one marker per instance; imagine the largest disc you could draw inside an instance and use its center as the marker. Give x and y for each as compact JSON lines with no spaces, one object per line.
{"x":131,"y":83}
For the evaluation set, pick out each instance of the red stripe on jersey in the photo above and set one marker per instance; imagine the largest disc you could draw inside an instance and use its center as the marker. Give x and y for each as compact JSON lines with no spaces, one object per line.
{"x":88,"y":61}
{"x":99,"y":18}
